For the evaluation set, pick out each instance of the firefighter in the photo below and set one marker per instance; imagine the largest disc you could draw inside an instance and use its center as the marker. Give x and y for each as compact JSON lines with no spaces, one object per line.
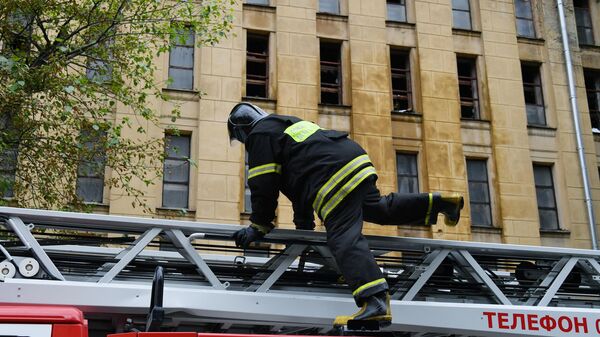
{"x":323,"y":171}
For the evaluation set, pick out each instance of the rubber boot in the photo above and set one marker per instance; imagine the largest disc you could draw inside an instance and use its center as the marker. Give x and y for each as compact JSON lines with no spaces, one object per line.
{"x":374,"y":308}
{"x":450,"y":205}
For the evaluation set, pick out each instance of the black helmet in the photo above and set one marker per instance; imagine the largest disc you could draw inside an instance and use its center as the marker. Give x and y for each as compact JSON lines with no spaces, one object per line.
{"x":241,"y":120}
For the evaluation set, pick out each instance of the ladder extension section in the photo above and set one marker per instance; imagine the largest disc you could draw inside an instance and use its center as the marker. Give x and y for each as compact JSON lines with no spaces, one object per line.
{"x":289,"y":282}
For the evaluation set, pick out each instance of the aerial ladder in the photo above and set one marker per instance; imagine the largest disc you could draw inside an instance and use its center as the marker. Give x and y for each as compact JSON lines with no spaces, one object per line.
{"x":127,"y":273}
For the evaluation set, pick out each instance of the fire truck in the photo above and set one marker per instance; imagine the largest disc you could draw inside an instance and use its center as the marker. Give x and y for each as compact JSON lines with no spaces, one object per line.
{"x":74,"y":274}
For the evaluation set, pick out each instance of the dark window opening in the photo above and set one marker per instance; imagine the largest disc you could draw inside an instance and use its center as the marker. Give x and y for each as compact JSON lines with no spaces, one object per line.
{"x":479,"y":193}
{"x":401,"y":81}
{"x":461,"y":14}
{"x":468,"y":87}
{"x":407,"y":173}
{"x":331,"y":73}
{"x":583,"y":19}
{"x":257,"y":66}
{"x":592,"y":88}
{"x":396,"y":10}
{"x":546,"y":199}
{"x":176,"y":175}
{"x":524,"y":16}
{"x":534,"y":98}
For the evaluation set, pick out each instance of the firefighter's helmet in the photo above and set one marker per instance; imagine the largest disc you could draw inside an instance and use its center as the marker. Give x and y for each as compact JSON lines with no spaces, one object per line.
{"x":242,"y":119}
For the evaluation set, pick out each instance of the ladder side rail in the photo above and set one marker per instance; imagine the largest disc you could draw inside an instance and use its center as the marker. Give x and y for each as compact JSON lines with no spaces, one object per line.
{"x":537,"y":291}
{"x":477,"y":271}
{"x":558,"y":281}
{"x":22,"y":231}
{"x":423,"y":273}
{"x":185,"y":248}
{"x":130,"y":254}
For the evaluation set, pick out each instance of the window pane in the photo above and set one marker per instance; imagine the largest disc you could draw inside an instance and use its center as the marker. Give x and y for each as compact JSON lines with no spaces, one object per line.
{"x":481,"y":215}
{"x":407,"y":173}
{"x":545,"y":197}
{"x":525,"y":28}
{"x":462,"y":20}
{"x":182,"y":79}
{"x":542,"y":175}
{"x":396,"y":11}
{"x":182,"y":57}
{"x":460,"y":4}
{"x":479,"y":194}
{"x":408,"y":185}
{"x":476,"y":170}
{"x":523,"y":9}
{"x":176,"y":170}
{"x":329,"y":6}
{"x":258,"y":2}
{"x":90,"y":189}
{"x":548,"y":219}
{"x":407,"y":164}
{"x":177,"y":146}
{"x":175,"y":195}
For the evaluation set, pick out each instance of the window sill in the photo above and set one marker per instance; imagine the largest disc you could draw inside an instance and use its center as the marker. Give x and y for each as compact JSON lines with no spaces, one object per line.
{"x":182,"y":94}
{"x":265,"y":103}
{"x":531,"y":40}
{"x":466,"y":32}
{"x":486,"y":229}
{"x":400,"y":24}
{"x":181,"y":212}
{"x":259,"y":7}
{"x":541,"y":130}
{"x":555,"y":232}
{"x":589,"y":47}
{"x":335,"y":109}
{"x":407,"y":116}
{"x":332,"y":16}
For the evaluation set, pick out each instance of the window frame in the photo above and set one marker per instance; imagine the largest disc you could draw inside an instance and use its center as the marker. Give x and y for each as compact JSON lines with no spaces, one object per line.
{"x":178,"y":44}
{"x":552,"y":188}
{"x":590,"y":28}
{"x":260,"y":58}
{"x":472,"y":80}
{"x":402,"y":74}
{"x":468,"y":11}
{"x":531,"y":21}
{"x":399,"y":4}
{"x":593,"y":94}
{"x":98,"y":160}
{"x":336,"y":66}
{"x":536,"y":84}
{"x":414,"y":176}
{"x":186,"y":162}
{"x":486,"y":184}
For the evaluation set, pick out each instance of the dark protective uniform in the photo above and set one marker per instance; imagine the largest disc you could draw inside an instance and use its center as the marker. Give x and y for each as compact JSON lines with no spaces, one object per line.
{"x":324,"y":171}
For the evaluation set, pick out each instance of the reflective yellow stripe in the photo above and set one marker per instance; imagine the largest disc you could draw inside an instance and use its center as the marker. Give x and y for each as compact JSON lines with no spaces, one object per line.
{"x":346,"y":189}
{"x":301,"y":130}
{"x":264,"y":169}
{"x":368,"y":285}
{"x":429,"y":209}
{"x":337,"y":177}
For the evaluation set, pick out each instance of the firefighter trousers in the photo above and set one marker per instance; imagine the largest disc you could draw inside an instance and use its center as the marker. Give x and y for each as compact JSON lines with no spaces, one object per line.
{"x":351,"y":249}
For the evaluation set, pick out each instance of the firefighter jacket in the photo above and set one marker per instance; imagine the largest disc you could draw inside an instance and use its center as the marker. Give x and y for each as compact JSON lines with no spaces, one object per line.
{"x":313,"y":167}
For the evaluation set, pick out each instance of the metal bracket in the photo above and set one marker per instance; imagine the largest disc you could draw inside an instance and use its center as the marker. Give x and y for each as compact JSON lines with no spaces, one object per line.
{"x":477,"y":272}
{"x":422,"y":275}
{"x":558,"y":281}
{"x":278,"y":265}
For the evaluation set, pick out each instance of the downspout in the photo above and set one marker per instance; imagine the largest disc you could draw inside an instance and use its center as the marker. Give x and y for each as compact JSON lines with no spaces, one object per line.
{"x":575,"y":111}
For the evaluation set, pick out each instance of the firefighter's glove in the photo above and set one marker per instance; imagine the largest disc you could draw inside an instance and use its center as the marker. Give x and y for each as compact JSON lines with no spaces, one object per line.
{"x":245,"y":236}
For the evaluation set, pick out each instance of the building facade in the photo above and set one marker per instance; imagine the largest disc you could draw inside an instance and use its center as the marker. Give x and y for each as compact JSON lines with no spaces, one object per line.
{"x":465,"y":96}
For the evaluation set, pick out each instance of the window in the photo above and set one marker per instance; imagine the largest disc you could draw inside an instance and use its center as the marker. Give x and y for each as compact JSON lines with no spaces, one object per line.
{"x":467,"y":87}
{"x":257,"y":65}
{"x":532,"y":90}
{"x":331,"y":73}
{"x":583,"y":19}
{"x":407,"y":174}
{"x":592,"y":88}
{"x":329,"y":6}
{"x":8,"y":157}
{"x":181,"y":61}
{"x":90,"y":171}
{"x":396,"y":10}
{"x":461,"y":14}
{"x":401,"y":82}
{"x":258,"y":2}
{"x":98,"y":71}
{"x":524,"y":16}
{"x":176,"y":175}
{"x":544,"y":188}
{"x":479,"y":193}
{"x":247,"y":199}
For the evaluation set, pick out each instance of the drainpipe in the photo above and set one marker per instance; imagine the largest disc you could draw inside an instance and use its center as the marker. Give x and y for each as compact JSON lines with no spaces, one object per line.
{"x":575,"y":111}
